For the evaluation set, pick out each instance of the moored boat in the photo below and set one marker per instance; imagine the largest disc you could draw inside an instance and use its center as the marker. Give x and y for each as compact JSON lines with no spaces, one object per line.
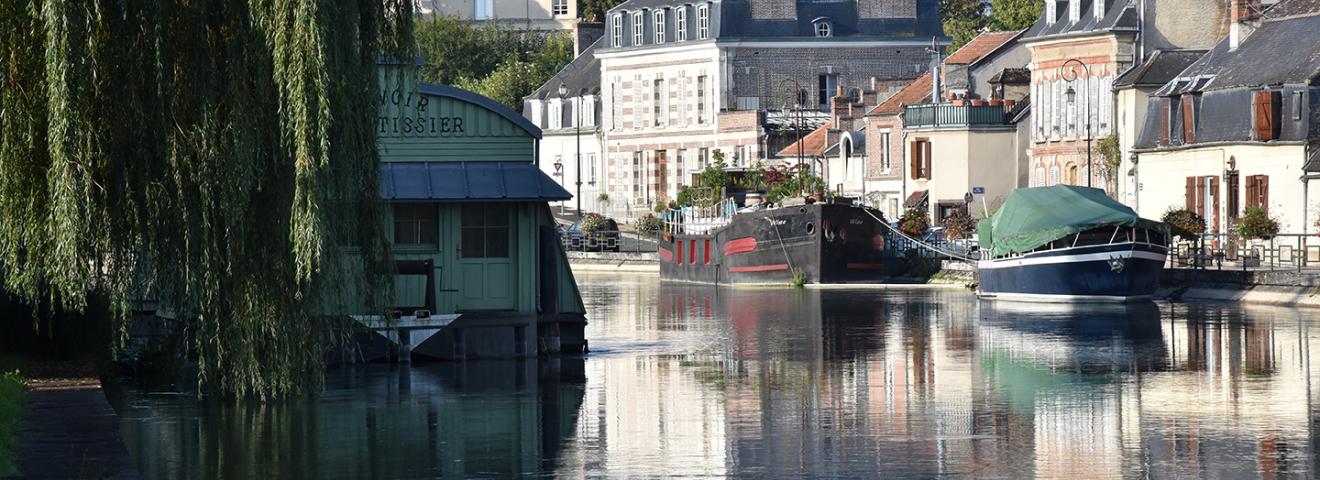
{"x":1069,"y":244}
{"x":822,"y":242}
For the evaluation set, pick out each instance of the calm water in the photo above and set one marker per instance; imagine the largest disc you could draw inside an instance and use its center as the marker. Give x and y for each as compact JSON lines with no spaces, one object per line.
{"x":693,"y":381}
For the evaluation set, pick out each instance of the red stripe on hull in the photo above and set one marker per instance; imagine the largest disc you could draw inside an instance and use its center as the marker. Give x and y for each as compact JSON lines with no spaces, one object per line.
{"x":665,"y":254}
{"x":760,"y":268}
{"x":865,"y":266}
{"x":740,"y":245}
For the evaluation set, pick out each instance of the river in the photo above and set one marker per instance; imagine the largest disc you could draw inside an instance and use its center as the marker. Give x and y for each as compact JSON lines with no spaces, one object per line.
{"x":695,"y":381}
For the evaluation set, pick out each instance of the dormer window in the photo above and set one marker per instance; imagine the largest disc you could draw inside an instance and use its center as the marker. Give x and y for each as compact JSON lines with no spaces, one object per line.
{"x":1074,"y":11}
{"x":823,"y":27}
{"x":680,"y":24}
{"x":1099,"y":8}
{"x":703,"y":22}
{"x":616,"y":31}
{"x":1051,"y":11}
{"x":659,"y":26}
{"x":638,"y":26}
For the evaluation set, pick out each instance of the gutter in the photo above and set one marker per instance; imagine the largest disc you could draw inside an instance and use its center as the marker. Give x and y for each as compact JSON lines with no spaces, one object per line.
{"x":1223,"y":143}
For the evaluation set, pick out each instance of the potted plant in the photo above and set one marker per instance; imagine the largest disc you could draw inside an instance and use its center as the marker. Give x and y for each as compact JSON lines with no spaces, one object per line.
{"x":976,"y":102}
{"x":915,"y":222}
{"x":1257,"y":224}
{"x":1184,"y":222}
{"x":958,"y":225}
{"x":1008,"y":104}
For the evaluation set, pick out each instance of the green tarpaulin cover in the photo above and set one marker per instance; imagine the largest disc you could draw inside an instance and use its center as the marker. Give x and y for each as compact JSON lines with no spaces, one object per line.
{"x":1032,"y":217}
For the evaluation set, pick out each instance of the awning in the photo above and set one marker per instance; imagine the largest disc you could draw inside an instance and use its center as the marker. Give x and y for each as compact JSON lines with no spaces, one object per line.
{"x":916,"y":199}
{"x":467,"y":181}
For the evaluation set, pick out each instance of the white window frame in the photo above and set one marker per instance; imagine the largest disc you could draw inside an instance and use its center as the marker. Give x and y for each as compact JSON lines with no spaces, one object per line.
{"x":638,"y":29}
{"x":885,"y":164}
{"x":680,"y":24}
{"x":823,"y":29}
{"x":659,"y":17}
{"x":701,"y":99}
{"x":703,"y":22}
{"x":617,"y":31}
{"x":559,"y":8}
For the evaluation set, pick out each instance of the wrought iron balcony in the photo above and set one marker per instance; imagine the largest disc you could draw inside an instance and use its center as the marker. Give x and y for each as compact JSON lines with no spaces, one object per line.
{"x":949,"y":115}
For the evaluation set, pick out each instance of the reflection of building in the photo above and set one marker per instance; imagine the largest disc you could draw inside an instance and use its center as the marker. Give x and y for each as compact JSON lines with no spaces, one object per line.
{"x":453,"y":420}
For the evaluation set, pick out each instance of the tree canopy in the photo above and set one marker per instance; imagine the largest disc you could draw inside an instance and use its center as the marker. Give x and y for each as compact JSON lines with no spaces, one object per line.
{"x":963,"y":20}
{"x":491,"y":58}
{"x":1014,"y":14}
{"x":218,"y":156}
{"x":594,"y":10}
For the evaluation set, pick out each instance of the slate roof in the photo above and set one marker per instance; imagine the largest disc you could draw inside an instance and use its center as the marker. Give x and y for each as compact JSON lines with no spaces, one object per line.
{"x":1312,"y":158}
{"x":858,"y":139}
{"x":1120,"y":15}
{"x":980,"y":47}
{"x":1162,"y":66}
{"x":1012,"y":76}
{"x":915,"y":92}
{"x":580,"y":75}
{"x":813,"y":144}
{"x":732,"y":19}
{"x":1284,"y":49}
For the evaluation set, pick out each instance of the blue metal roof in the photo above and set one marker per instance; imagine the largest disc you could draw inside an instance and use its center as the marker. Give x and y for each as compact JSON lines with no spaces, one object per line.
{"x":467,"y":181}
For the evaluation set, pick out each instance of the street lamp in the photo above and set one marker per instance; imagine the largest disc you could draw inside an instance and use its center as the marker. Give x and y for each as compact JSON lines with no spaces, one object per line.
{"x":797,"y":126}
{"x":1069,"y":75}
{"x":577,"y":134}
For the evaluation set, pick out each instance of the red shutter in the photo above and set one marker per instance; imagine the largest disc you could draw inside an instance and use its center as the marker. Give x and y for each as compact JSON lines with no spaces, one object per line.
{"x":925,"y":167}
{"x":1189,"y":120}
{"x":915,"y":160}
{"x":1190,"y":194}
{"x":1262,"y":108}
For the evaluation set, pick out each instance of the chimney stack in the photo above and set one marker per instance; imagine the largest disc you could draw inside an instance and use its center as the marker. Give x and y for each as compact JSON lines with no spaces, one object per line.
{"x":1244,"y":16}
{"x":584,"y":34}
{"x":840,"y":107}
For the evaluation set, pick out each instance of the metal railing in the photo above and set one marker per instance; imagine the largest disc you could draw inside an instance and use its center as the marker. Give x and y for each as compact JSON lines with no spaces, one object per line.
{"x":699,"y":220}
{"x":949,"y":115}
{"x":619,"y":241}
{"x":1223,"y":251}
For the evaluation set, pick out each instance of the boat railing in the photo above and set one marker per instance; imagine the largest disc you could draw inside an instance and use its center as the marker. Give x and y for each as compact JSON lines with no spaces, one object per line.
{"x":699,"y":219}
{"x":1230,"y":251}
{"x":1091,"y":238}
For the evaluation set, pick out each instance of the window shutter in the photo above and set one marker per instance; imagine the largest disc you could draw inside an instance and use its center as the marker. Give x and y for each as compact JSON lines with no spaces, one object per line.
{"x":915,"y":160}
{"x":925,"y":157}
{"x":1251,"y":191}
{"x":1190,"y":195}
{"x":1189,"y":121}
{"x":1261,"y":107}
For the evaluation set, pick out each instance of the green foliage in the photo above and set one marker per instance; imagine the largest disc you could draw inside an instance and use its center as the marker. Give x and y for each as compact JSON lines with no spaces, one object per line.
{"x":206,"y":151}
{"x":594,"y":10}
{"x":593,"y":222}
{"x":963,"y":20}
{"x":792,"y":182}
{"x":799,"y":278}
{"x":11,"y":407}
{"x":754,"y":178}
{"x":958,"y":225}
{"x":914,"y":222}
{"x":1256,"y":223}
{"x":1014,"y":14}
{"x":490,"y":58}
{"x":649,"y":224}
{"x":603,"y":199}
{"x":714,"y":177}
{"x":1185,"y":220}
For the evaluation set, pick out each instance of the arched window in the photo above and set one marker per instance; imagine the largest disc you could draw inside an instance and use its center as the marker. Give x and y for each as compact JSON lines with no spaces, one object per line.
{"x":1040,"y":176}
{"x":1054,"y":175}
{"x":1072,"y":174}
{"x":823,"y":27}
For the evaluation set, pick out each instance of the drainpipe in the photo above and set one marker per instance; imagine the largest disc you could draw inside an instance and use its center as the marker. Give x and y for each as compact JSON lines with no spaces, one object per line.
{"x":903,"y":157}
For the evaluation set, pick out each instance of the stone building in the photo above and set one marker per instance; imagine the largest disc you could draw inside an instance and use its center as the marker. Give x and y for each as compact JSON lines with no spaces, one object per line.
{"x":567,"y":109}
{"x":1239,"y":127}
{"x":1078,"y":49}
{"x":681,"y":81}
{"x":525,"y":14}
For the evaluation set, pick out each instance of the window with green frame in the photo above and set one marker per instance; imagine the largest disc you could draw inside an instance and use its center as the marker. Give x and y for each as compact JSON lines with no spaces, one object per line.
{"x":414,"y":223}
{"x":485,"y":230}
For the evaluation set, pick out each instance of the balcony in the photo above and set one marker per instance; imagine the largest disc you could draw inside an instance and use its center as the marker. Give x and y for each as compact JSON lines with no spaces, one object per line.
{"x":942,"y":115}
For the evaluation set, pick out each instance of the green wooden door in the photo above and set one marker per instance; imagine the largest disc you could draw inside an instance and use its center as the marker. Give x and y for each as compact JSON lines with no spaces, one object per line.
{"x":485,"y":263}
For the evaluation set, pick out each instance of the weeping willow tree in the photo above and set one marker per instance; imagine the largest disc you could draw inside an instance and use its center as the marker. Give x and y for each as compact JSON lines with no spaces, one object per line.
{"x":216,"y":155}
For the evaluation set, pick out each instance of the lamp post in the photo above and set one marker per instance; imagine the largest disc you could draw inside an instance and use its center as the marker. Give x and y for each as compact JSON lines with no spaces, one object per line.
{"x":797,"y":126}
{"x":1069,"y":75}
{"x":577,"y":134}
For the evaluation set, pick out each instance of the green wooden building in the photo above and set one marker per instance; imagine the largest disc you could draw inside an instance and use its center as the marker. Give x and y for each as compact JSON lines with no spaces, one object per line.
{"x":472,"y":229}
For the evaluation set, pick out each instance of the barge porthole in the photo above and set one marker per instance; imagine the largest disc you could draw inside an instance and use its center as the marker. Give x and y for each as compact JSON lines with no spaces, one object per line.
{"x":811,"y":228}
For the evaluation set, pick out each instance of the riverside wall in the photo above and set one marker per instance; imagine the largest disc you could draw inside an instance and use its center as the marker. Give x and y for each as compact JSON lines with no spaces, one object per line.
{"x":1284,"y":288}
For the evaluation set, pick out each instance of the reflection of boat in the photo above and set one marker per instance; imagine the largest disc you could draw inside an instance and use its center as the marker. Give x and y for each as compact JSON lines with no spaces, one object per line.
{"x":1066,"y":243}
{"x":1106,"y":338}
{"x":829,"y":243}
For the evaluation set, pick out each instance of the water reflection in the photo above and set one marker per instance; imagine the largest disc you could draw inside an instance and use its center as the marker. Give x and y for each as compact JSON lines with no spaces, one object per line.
{"x":695,"y":381}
